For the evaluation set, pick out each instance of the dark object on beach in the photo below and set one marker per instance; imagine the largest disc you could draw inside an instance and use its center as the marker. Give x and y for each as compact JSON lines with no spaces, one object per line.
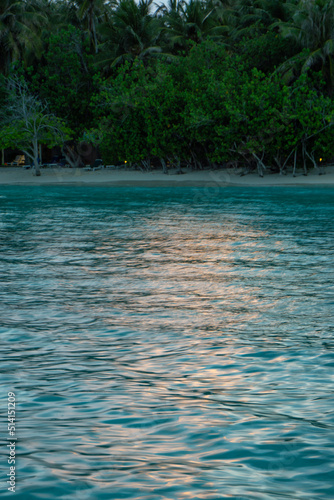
{"x":55,"y":159}
{"x":97,"y":165}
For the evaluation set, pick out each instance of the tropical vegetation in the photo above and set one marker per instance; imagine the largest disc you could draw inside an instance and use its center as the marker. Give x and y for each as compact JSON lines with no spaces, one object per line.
{"x":198,"y":83}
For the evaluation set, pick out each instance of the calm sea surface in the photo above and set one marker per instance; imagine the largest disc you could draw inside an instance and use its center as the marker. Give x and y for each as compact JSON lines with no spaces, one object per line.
{"x":168,"y":343}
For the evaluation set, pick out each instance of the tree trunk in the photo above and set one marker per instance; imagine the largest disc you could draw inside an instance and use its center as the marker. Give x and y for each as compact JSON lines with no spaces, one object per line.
{"x":285,"y":162}
{"x":316,"y":166}
{"x":164,"y":166}
{"x":196,"y":162}
{"x":304,"y":157}
{"x":294,"y":164}
{"x":95,"y":37}
{"x":72,"y":157}
{"x":178,"y":165}
{"x":260,"y":165}
{"x":146,"y":164}
{"x":36,"y":170}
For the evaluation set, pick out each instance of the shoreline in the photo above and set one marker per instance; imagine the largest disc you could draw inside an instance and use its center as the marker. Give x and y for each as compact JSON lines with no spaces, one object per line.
{"x":17,"y":176}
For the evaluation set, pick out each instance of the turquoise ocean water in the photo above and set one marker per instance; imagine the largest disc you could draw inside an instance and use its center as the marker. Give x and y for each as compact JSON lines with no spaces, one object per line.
{"x":168,"y":343}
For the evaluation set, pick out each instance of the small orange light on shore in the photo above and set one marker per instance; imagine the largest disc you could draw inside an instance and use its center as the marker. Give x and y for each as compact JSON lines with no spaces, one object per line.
{"x":125,"y":161}
{"x":320,"y":159}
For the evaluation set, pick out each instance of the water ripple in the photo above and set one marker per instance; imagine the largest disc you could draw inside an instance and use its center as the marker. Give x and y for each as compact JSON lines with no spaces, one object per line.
{"x":169,"y":343}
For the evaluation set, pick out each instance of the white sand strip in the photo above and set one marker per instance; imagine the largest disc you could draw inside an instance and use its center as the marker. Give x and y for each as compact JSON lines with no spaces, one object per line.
{"x":109,"y":177}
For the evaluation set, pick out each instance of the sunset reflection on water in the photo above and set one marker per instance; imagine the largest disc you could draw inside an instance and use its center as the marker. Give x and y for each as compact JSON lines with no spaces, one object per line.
{"x":167,"y":349}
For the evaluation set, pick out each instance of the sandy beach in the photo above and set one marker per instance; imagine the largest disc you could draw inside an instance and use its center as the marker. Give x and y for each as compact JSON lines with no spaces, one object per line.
{"x":115,"y":177}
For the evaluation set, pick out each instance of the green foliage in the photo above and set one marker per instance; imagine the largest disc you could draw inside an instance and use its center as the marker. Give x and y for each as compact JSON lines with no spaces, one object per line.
{"x":311,"y":27}
{"x":140,"y":115}
{"x":223,"y":112}
{"x":311,"y":115}
{"x":64,"y":78}
{"x":20,"y":25}
{"x":196,"y":83}
{"x":130,"y":31}
{"x":3,"y":92}
{"x":266,"y":51}
{"x":25,"y":122}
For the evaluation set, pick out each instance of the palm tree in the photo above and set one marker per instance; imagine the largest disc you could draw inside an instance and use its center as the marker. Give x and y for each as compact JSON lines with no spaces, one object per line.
{"x":312,"y":28}
{"x":278,"y":10}
{"x":61,"y":13}
{"x":91,"y":11}
{"x":129,"y":31}
{"x":193,"y":21}
{"x":20,"y":25}
{"x":249,"y":18}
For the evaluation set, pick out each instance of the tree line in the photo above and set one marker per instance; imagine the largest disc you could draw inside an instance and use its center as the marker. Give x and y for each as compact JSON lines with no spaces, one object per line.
{"x":203,"y":83}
